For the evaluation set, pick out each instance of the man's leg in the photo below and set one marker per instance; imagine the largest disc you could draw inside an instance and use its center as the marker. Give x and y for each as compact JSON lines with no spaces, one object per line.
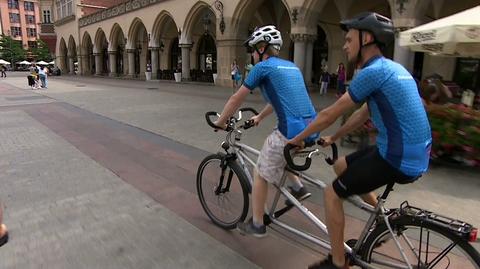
{"x":339,"y":167}
{"x":335,"y":219}
{"x":259,"y":198}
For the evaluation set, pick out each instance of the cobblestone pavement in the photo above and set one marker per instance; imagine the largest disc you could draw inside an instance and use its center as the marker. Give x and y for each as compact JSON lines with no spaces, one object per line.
{"x":55,"y":152}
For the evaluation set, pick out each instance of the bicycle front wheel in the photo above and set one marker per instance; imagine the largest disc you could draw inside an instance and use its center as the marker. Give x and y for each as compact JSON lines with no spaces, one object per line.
{"x":425,"y":245}
{"x":223,"y":192}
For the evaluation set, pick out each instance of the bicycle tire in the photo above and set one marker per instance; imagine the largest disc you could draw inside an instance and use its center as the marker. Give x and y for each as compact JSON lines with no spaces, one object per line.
{"x":404,"y":223}
{"x":239,"y":197}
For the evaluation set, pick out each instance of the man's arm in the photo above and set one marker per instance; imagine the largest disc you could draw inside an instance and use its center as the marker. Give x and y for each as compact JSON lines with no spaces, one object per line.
{"x":233,"y":103}
{"x":325,"y":118}
{"x":266,"y":111}
{"x":355,"y":121}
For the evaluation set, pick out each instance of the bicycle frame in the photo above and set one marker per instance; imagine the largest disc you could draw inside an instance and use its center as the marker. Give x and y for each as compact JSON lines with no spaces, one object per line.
{"x":242,"y":152}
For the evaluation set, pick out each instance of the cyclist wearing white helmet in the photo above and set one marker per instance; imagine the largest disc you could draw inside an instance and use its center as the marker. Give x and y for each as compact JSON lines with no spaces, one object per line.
{"x":282,"y":86}
{"x":390,"y":98}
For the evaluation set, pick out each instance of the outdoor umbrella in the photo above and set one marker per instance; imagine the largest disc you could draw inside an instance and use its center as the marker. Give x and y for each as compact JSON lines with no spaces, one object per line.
{"x":24,"y":62}
{"x":455,"y":35}
{"x":42,"y":63}
{"x":4,"y":62}
{"x":52,"y":62}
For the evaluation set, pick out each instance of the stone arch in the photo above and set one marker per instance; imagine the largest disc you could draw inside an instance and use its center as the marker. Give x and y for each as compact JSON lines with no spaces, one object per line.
{"x":117,"y":45}
{"x":313,"y":9}
{"x":116,"y":37}
{"x":72,"y":55}
{"x":191,"y":19}
{"x":245,"y":11}
{"x":87,"y":53}
{"x":163,"y":25}
{"x":100,"y":50}
{"x":62,"y":61}
{"x":138,"y":44}
{"x":163,"y":59}
{"x":379,"y":6}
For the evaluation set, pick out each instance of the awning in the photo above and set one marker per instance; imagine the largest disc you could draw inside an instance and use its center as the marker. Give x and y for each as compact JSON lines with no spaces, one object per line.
{"x":455,"y":35}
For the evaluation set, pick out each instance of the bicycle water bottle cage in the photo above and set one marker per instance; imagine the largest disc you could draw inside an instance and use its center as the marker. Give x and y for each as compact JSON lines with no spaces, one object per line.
{"x":462,"y":229}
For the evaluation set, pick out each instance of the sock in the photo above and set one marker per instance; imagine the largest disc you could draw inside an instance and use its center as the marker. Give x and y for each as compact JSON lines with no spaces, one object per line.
{"x":256,"y":223}
{"x":296,"y":186}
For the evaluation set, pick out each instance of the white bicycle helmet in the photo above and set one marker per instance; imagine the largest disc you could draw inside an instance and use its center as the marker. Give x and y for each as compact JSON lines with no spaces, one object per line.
{"x":268,"y":34}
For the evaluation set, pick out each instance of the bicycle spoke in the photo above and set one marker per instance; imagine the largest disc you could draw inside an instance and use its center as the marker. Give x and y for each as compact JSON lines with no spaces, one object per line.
{"x":425,"y":248}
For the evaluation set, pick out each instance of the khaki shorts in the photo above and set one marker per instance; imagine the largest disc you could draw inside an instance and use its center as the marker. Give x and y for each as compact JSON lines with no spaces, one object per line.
{"x":270,"y":162}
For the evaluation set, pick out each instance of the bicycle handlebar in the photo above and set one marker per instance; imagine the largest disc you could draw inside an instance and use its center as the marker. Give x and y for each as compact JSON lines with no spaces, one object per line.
{"x":308,"y":159}
{"x":248,"y":123}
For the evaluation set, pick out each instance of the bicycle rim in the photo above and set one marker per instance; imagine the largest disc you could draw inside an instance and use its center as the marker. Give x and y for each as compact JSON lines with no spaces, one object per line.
{"x":225,"y":205}
{"x":425,"y":246}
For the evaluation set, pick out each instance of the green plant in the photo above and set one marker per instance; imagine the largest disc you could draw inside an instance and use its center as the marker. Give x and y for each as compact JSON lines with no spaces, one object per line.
{"x":455,"y":132}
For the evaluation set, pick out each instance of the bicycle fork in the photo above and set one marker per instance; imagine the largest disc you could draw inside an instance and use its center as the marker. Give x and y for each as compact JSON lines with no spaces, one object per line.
{"x":224,"y":165}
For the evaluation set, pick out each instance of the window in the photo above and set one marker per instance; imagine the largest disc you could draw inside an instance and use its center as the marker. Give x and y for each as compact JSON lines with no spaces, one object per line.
{"x":32,"y":44}
{"x":13,"y":4}
{"x":29,"y":6}
{"x":64,"y":8}
{"x":15,"y":31}
{"x":46,"y":16}
{"x":14,"y":17}
{"x":31,"y":32}
{"x":30,"y":19}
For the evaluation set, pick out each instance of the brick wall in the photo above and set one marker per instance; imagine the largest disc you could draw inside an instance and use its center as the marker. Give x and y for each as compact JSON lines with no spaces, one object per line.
{"x":102,"y":3}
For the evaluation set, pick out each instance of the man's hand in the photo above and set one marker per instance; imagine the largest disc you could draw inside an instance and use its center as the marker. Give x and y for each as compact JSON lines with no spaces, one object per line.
{"x":299,"y":143}
{"x":221,"y":126}
{"x":256,"y":119}
{"x":327,"y":141}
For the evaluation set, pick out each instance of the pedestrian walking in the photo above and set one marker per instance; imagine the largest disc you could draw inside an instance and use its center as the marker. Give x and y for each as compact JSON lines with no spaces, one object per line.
{"x":341,"y":75}
{"x":324,"y":81}
{"x":43,"y":77}
{"x":2,"y":70}
{"x":235,"y":72}
{"x":3,"y":229}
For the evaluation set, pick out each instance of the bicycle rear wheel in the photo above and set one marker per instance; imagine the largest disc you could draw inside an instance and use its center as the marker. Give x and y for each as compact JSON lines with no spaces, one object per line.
{"x":426,"y":245}
{"x":223,"y":193}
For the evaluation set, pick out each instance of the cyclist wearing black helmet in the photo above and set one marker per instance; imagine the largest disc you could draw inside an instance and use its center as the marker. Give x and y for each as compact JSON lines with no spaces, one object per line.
{"x":390,"y":99}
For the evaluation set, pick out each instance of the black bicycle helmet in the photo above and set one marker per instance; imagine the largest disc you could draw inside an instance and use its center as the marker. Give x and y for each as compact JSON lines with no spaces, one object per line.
{"x":380,"y":26}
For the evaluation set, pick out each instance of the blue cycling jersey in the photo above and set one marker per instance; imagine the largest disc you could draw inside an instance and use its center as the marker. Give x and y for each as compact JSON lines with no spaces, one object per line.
{"x":404,"y":135}
{"x":282,"y":85}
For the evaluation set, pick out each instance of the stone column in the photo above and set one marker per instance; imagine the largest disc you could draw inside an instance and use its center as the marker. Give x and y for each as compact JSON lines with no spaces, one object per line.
{"x":299,"y":51}
{"x":80,"y":64}
{"x":98,"y":64}
{"x":112,"y":59}
{"x":185,"y":60}
{"x":71,"y":65}
{"x":60,"y":62}
{"x":131,"y":62}
{"x":154,"y":61}
{"x":307,"y":75}
{"x":403,"y":55}
{"x":229,"y":49}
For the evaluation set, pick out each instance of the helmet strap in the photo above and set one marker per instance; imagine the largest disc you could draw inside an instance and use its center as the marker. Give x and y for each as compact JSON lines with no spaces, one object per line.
{"x":261,"y":53}
{"x":359,"y":54}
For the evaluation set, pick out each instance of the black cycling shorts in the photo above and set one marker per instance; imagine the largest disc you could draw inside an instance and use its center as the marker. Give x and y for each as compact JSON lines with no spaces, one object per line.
{"x":366,"y":171}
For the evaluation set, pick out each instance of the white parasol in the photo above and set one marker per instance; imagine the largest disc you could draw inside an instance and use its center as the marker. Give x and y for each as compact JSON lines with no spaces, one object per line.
{"x":455,"y":35}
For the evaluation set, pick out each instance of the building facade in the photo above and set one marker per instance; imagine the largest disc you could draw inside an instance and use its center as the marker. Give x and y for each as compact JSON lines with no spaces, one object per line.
{"x":202,"y":38}
{"x":20,"y":20}
{"x":47,"y":30}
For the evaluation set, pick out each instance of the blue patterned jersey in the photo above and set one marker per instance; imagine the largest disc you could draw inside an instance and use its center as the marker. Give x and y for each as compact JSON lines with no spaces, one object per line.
{"x":282,"y":85}
{"x":404,"y":136}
